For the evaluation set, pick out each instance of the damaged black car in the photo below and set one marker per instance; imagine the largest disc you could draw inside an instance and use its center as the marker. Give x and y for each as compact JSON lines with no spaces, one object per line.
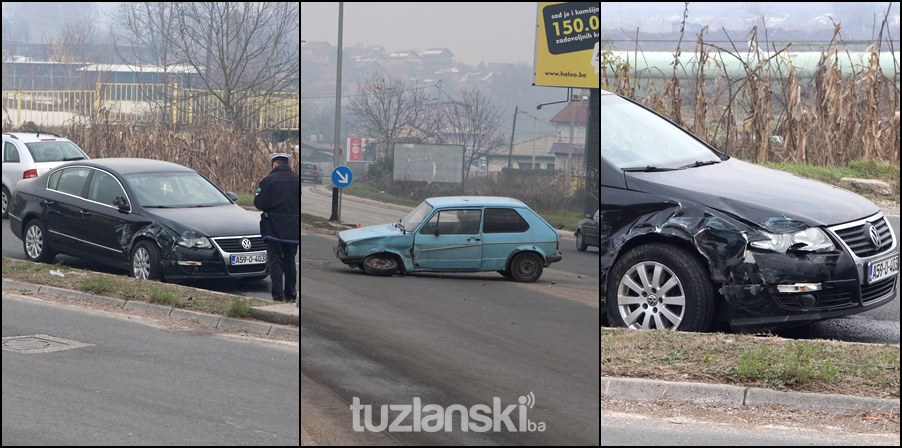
{"x":691,"y":237}
{"x":158,"y":220}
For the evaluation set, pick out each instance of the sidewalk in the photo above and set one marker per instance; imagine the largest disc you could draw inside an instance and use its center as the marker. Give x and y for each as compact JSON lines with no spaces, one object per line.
{"x":279,"y":319}
{"x":635,"y":389}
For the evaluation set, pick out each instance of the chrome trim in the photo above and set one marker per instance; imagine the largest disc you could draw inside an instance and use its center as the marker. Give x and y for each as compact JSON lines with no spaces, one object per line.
{"x":88,"y":242}
{"x":131,"y":205}
{"x":860,"y":262}
{"x":226,"y":255}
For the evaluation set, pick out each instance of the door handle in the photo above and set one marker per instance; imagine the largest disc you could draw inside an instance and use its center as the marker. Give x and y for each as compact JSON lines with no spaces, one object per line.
{"x":474,"y":239}
{"x":47,"y":202}
{"x":85,"y":213}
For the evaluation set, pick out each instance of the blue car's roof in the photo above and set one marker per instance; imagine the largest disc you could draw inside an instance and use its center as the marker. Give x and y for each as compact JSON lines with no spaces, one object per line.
{"x":474,"y":201}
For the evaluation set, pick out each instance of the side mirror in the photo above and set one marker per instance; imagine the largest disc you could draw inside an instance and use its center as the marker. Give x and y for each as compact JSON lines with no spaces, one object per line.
{"x":122,"y":204}
{"x":232,"y":196}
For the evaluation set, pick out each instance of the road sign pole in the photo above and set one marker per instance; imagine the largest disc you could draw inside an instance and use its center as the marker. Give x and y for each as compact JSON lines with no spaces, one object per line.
{"x":336,"y":192}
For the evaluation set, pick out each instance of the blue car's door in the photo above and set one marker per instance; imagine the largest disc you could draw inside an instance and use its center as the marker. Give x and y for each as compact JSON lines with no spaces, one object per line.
{"x":449,"y":241}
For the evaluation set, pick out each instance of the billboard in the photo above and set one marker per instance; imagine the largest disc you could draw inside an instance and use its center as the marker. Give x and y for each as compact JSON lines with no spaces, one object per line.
{"x":568,"y":40}
{"x":429,"y":163}
{"x":357,"y":148}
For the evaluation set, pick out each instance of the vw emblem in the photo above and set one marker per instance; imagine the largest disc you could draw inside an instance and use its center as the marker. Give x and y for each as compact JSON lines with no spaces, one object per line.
{"x":875,"y":236}
{"x":246,"y":244}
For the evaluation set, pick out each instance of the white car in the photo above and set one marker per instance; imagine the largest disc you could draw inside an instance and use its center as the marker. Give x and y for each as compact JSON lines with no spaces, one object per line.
{"x":29,"y":154}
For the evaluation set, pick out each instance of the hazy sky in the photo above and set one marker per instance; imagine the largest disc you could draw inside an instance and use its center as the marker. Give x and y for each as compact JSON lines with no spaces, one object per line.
{"x":490,"y":32}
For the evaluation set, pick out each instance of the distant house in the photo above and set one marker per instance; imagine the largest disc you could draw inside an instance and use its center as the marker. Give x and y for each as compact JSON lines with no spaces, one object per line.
{"x":437,"y":58}
{"x":404,"y":57}
{"x":522,"y":155}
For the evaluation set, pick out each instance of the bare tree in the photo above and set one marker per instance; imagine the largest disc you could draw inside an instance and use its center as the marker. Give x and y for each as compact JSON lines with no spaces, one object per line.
{"x":473,"y":122}
{"x":149,"y":32}
{"x":386,"y":108}
{"x":246,"y":54}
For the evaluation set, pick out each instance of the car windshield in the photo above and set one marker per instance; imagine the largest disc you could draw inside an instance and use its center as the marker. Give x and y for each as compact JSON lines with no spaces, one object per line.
{"x":416,"y":216}
{"x":54,"y":151}
{"x":634,"y":138}
{"x":175,"y":190}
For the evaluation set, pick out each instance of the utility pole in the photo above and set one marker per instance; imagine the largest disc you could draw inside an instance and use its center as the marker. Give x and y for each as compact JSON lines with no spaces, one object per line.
{"x":336,"y":192}
{"x":513,"y":129}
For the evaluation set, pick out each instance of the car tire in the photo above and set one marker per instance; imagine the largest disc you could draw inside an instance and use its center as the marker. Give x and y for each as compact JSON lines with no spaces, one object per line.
{"x":581,"y":242}
{"x":145,"y":261}
{"x":382,"y":265}
{"x":526,"y":267}
{"x":667,"y":266}
{"x":6,"y":199}
{"x":35,"y":244}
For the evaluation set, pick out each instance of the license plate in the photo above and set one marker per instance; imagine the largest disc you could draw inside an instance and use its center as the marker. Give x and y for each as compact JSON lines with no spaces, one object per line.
{"x":251,"y":258}
{"x":883,"y":269}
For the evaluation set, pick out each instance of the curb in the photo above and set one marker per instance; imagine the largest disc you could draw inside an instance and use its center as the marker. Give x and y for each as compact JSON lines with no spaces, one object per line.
{"x":635,"y":389}
{"x":274,"y":325}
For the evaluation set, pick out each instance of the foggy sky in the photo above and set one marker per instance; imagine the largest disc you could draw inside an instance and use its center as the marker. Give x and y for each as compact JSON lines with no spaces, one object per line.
{"x":474,"y":32}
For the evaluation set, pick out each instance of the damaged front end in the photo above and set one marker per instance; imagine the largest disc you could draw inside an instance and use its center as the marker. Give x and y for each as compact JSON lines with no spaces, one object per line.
{"x":779,"y":272}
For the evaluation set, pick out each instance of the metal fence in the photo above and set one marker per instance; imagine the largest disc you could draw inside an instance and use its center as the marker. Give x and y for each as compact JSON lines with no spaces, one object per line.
{"x":144,"y":104}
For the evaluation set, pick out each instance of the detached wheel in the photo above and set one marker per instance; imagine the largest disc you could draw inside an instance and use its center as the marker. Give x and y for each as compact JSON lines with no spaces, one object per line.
{"x":6,"y":199}
{"x":35,"y":243}
{"x":526,"y":267}
{"x":382,"y":265}
{"x":581,"y":242}
{"x":146,"y":261}
{"x":659,"y":286}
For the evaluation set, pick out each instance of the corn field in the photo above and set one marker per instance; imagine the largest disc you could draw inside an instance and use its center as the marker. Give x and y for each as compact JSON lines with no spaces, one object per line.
{"x":769,"y":114}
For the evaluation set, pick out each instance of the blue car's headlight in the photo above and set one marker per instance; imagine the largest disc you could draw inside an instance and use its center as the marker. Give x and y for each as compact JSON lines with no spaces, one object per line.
{"x":809,"y":240}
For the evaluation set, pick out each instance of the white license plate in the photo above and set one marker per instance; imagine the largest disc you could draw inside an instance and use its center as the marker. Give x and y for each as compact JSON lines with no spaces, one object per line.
{"x":880,"y":270}
{"x":251,"y":258}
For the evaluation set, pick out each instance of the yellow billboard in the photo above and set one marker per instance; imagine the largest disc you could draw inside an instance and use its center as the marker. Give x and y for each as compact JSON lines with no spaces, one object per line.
{"x":568,"y":37}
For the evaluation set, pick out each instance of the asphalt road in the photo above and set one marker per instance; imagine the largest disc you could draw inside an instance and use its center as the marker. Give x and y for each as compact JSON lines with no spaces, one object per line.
{"x":12,"y":248}
{"x":451,"y":339}
{"x":139,"y":384}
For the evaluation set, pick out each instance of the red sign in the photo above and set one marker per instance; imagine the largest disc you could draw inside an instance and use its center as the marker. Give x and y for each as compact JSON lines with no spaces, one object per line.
{"x":355,"y":149}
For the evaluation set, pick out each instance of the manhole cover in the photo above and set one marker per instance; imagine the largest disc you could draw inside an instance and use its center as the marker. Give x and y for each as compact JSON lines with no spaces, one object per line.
{"x":39,"y":343}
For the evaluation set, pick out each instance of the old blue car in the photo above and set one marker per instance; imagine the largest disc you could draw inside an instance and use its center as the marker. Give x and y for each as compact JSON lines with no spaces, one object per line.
{"x":456,"y":234}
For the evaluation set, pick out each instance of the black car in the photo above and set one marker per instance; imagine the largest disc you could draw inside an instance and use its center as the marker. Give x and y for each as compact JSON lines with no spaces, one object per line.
{"x":156,"y":219}
{"x":311,"y":172}
{"x":587,"y":232}
{"x":690,"y":236}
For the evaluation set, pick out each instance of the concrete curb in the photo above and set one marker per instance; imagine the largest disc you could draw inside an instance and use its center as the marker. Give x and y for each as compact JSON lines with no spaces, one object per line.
{"x":273,"y":324}
{"x":635,"y":389}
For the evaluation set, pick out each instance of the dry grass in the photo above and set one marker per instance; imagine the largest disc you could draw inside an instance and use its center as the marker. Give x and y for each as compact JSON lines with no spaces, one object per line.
{"x":746,"y":360}
{"x":769,"y":114}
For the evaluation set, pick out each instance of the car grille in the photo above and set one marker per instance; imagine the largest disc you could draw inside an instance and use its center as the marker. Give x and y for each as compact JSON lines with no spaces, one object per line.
{"x":828,"y":299}
{"x":859,"y":240}
{"x":233,"y":244}
{"x":246,"y":268}
{"x":877,"y":290}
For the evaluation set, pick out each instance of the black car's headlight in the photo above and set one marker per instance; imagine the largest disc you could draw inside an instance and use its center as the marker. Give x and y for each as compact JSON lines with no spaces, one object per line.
{"x":812,"y":239}
{"x":194,"y":242}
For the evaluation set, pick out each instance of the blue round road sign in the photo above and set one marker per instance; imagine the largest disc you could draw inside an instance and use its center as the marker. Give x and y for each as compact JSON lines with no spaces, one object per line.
{"x":342,"y":176}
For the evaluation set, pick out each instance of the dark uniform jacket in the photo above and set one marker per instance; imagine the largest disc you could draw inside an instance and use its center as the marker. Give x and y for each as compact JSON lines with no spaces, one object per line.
{"x":278,"y":195}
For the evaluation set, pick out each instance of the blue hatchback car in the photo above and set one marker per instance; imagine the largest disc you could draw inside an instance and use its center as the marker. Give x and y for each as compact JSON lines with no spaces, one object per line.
{"x":456,"y":234}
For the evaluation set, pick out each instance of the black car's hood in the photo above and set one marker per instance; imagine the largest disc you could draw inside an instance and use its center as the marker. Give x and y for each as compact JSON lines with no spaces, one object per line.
{"x":760,"y":195}
{"x":222,"y":220}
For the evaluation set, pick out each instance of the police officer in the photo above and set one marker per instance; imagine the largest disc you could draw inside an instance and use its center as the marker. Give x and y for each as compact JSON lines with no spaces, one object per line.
{"x":278,"y":196}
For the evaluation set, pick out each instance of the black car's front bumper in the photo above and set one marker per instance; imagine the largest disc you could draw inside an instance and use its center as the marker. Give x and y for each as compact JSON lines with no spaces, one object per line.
{"x":843,"y":292}
{"x":183,"y":263}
